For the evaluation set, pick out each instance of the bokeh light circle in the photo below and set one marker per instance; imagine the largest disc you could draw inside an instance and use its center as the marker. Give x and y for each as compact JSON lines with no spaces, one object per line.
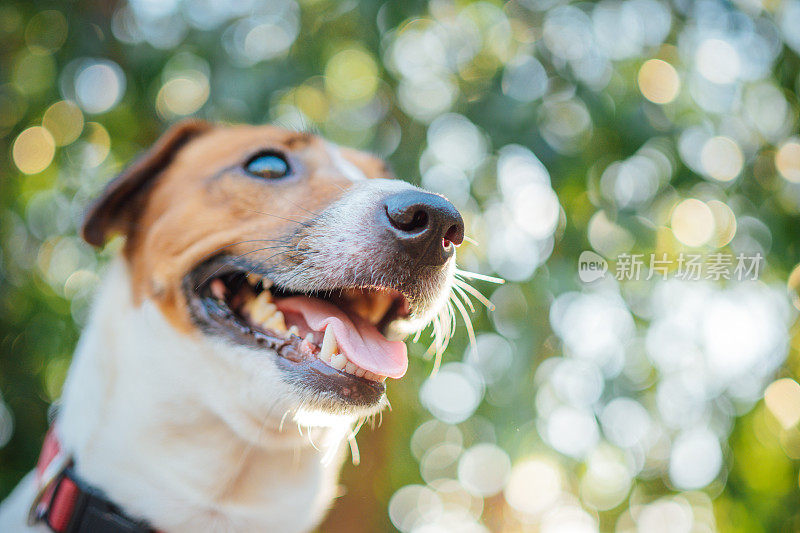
{"x":659,"y":81}
{"x":695,"y":460}
{"x":787,"y":160}
{"x":99,"y":85}
{"x":722,"y":158}
{"x":692,"y":222}
{"x":484,"y":469}
{"x":534,"y":485}
{"x":33,"y":150}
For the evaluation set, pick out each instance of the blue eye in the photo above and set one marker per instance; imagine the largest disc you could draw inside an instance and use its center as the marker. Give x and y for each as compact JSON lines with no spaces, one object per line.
{"x":268,"y":166}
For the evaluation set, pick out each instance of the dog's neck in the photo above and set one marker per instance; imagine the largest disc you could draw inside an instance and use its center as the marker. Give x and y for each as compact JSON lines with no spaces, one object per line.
{"x":159,"y":420}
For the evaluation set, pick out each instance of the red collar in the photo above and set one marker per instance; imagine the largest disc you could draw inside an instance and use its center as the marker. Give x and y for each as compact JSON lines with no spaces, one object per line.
{"x":66,"y":504}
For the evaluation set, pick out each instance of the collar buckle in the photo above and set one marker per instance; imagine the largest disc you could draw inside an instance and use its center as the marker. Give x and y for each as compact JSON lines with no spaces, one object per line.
{"x":51,"y":473}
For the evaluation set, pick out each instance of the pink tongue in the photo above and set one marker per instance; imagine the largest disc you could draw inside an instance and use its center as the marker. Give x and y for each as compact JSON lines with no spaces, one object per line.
{"x":359,"y":340}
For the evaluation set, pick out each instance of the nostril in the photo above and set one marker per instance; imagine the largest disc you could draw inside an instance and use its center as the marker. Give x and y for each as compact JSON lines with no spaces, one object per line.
{"x":454,"y":234}
{"x":426,"y":226}
{"x":408,"y":220}
{"x":419,"y":221}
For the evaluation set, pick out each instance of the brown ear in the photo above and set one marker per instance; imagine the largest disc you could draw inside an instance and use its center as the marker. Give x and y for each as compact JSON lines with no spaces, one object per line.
{"x":118,"y":206}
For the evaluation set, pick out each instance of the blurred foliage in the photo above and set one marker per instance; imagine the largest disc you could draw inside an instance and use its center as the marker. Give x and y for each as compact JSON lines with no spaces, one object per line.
{"x":622,"y":127}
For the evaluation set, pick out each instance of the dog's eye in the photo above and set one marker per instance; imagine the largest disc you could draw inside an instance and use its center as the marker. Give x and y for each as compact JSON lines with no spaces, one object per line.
{"x":268,"y":166}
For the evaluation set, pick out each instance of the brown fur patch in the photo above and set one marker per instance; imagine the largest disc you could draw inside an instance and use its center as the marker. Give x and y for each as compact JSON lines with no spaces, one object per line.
{"x":198,"y":201}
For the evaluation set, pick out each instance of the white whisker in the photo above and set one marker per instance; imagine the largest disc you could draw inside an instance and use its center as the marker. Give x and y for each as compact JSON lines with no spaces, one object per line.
{"x":354,"y":453}
{"x":311,"y":440}
{"x":467,"y":321}
{"x":476,"y":293}
{"x":357,"y":428}
{"x":283,"y":419}
{"x":482,"y":277}
{"x":460,"y":292}
{"x":443,"y":324}
{"x":451,"y":317}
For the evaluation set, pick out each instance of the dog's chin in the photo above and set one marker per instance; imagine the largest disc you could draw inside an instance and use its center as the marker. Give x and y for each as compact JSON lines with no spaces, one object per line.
{"x":228,"y":300}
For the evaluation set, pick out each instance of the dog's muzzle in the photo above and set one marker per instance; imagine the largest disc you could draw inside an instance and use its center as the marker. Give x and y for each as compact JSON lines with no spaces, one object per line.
{"x":336,"y":299}
{"x":423,"y":225}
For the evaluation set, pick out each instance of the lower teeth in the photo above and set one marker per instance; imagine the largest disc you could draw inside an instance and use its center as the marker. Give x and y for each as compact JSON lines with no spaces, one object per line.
{"x":261,"y":311}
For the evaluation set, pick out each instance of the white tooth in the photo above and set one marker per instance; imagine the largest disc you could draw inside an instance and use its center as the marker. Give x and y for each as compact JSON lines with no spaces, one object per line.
{"x":350,"y":368}
{"x":275,"y":322}
{"x":360,"y":372}
{"x":338,"y":361}
{"x":262,"y":312}
{"x":329,"y":345}
{"x":370,"y":375}
{"x":249,"y":306}
{"x":309,"y":338}
{"x":294,"y":330}
{"x":264,"y":296}
{"x":260,"y":307}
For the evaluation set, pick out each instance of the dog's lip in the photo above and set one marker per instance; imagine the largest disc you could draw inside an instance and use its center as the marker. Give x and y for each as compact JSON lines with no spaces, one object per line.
{"x":302,"y":367}
{"x":308,"y":372}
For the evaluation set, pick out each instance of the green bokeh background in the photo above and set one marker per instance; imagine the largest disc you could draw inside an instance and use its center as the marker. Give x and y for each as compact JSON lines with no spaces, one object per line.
{"x":453,"y":84}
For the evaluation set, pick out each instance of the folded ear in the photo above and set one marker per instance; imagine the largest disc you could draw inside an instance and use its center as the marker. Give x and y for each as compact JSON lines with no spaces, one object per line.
{"x":121,"y":201}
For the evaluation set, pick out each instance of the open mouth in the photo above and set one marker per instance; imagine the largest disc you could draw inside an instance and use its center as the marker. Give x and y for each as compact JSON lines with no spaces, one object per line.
{"x":331,"y":341}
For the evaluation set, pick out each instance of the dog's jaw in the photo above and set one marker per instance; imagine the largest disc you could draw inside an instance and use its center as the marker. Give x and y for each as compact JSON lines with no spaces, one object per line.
{"x":189,"y":432}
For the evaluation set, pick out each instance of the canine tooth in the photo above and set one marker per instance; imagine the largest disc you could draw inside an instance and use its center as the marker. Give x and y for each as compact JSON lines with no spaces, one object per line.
{"x":350,"y":368}
{"x":325,"y":357}
{"x":338,"y":361}
{"x":276,"y":322}
{"x":294,"y":330}
{"x":329,"y":345}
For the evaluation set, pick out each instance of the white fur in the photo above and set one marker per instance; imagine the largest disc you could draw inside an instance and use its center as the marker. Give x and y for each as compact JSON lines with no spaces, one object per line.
{"x":348,"y":253}
{"x":348,"y":169}
{"x":185,"y":431}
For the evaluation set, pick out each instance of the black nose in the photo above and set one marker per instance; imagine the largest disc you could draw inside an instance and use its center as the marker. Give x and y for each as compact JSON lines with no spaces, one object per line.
{"x":427,"y":225}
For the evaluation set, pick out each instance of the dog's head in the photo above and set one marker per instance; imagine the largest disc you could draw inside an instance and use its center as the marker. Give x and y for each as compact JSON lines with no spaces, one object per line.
{"x":310,"y":256}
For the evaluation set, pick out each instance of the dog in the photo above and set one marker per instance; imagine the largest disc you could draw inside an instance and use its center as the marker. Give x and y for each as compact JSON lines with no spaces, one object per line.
{"x":267,"y":279}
